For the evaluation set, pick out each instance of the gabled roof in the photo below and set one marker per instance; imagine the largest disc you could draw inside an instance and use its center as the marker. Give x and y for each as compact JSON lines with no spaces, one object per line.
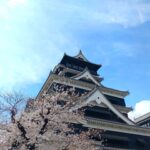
{"x":96,"y":95}
{"x":86,"y":74}
{"x":81,"y":56}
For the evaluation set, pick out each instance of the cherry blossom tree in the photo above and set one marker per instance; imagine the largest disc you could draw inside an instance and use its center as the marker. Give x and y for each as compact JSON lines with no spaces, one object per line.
{"x":11,"y":103}
{"x":50,"y":123}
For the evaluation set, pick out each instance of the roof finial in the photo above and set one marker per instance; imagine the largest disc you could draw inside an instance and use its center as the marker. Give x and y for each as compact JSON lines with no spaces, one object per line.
{"x":80,"y":51}
{"x":81,"y":56}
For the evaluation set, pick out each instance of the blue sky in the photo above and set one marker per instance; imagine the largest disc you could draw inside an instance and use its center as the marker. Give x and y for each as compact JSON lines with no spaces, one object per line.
{"x":115,"y":33}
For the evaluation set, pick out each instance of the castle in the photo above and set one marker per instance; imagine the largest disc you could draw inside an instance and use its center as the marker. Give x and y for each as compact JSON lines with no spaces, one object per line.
{"x":109,"y":111}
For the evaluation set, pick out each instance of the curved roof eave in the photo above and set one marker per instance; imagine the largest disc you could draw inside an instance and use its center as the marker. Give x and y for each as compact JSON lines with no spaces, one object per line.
{"x":66,"y":55}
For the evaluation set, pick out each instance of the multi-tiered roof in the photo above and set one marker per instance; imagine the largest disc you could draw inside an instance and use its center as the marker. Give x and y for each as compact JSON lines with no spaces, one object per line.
{"x":109,"y":111}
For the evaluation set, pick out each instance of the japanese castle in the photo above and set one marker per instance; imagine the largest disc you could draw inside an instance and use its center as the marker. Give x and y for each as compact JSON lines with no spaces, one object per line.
{"x":109,"y":112}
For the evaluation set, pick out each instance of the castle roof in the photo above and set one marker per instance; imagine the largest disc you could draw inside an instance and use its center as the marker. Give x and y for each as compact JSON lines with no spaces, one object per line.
{"x":81,"y":62}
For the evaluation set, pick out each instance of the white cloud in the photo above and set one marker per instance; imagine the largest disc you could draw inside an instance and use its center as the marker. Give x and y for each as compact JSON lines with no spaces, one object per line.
{"x":22,"y":67}
{"x":13,"y":3}
{"x":3,"y":12}
{"x":7,"y":7}
{"x":140,"y":109}
{"x":123,"y":12}
{"x":126,"y":13}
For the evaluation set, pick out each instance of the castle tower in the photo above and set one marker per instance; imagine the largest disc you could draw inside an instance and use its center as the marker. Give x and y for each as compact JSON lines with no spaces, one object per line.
{"x":108,"y":112}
